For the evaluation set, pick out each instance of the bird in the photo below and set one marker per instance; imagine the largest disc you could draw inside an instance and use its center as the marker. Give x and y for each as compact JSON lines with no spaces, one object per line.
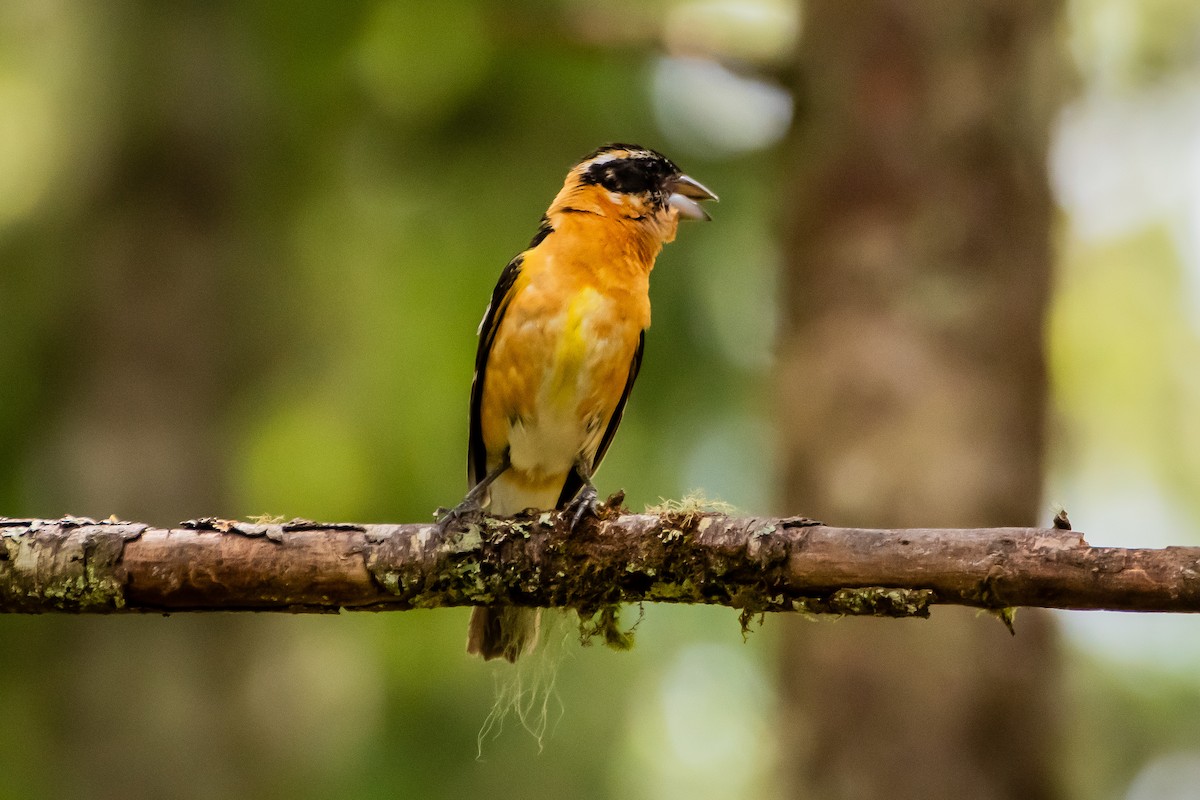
{"x":560,"y":346}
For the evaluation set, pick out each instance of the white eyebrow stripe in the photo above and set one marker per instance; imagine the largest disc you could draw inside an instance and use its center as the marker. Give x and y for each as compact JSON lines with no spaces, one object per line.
{"x":616,"y":155}
{"x":603,"y":158}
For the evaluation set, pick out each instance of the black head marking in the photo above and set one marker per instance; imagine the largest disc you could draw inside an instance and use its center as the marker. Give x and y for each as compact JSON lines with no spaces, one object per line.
{"x":629,"y":169}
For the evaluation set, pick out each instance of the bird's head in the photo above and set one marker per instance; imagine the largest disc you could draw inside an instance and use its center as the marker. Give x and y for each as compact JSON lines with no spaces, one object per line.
{"x":635,"y":185}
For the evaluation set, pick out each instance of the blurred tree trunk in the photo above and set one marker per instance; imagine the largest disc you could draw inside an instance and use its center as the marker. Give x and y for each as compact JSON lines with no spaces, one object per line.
{"x":913,"y":373}
{"x":150,"y":345}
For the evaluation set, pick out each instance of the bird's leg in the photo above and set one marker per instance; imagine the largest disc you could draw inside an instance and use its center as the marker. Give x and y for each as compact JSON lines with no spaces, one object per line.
{"x":585,"y":503}
{"x":471,"y":507}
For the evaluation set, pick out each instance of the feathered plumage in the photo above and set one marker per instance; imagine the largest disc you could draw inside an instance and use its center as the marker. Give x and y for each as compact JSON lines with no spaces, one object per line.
{"x":560,"y":346}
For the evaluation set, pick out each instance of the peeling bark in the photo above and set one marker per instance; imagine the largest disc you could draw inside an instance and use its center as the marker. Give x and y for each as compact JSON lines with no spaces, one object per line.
{"x":755,"y":564}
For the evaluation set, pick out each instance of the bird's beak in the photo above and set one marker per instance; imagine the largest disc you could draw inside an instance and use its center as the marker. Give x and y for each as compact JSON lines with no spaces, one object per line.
{"x":685,"y":192}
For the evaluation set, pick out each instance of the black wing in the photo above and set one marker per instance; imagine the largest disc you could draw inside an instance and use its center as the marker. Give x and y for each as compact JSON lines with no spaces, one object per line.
{"x":574,"y":482}
{"x":476,"y":452}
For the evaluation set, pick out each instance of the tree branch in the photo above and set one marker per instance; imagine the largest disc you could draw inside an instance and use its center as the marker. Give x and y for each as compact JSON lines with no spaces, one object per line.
{"x":752,"y":563}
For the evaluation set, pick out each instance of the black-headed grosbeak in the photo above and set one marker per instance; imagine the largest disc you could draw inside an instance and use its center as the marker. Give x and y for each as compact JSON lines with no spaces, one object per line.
{"x":560,"y":346}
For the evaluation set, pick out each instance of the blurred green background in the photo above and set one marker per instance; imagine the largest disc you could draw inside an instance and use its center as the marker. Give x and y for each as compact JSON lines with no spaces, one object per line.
{"x":244,"y":248}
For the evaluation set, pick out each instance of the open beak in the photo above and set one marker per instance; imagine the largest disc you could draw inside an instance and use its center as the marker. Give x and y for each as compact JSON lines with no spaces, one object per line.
{"x":685,"y":194}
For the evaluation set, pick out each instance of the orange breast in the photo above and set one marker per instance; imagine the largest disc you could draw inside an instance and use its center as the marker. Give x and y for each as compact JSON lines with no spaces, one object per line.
{"x":562,"y":355}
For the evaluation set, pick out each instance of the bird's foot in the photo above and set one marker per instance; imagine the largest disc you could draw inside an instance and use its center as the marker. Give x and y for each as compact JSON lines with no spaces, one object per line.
{"x":585,"y":504}
{"x":468,"y":512}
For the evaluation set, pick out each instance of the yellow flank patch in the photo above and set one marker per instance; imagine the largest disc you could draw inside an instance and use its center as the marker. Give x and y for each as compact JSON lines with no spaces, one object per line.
{"x":572,"y":348}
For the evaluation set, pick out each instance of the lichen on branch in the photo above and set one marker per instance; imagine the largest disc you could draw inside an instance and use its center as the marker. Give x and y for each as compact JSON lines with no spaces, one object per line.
{"x":679,"y":555}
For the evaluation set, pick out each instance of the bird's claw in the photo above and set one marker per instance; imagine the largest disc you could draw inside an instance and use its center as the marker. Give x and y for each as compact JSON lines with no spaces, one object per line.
{"x":585,"y":504}
{"x":464,"y":513}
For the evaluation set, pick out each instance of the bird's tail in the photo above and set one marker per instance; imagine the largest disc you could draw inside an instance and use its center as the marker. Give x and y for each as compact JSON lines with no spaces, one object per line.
{"x":510,"y":631}
{"x":503,"y":631}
